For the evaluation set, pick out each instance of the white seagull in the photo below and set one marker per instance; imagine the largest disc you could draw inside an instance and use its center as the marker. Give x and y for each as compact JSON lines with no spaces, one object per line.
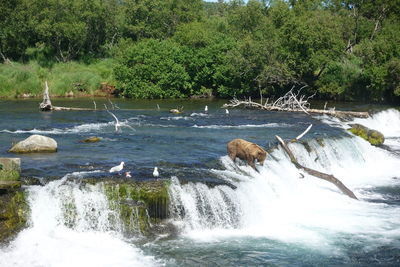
{"x":226,"y":111}
{"x":206,"y":108}
{"x":118,"y":125}
{"x":155,"y":172}
{"x":117,"y":168}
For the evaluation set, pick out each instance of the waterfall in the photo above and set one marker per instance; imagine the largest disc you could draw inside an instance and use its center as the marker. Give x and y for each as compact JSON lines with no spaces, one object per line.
{"x":279,"y":204}
{"x":72,"y":225}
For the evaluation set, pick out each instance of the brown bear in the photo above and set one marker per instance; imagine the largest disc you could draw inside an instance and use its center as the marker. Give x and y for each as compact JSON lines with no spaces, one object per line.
{"x":247,"y":151}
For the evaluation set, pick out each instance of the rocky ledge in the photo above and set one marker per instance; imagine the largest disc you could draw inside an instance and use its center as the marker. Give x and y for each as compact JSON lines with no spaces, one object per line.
{"x":13,"y":206}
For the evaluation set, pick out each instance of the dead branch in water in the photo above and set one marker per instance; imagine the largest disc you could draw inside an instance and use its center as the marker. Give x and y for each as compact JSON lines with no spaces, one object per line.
{"x":321,"y":175}
{"x":46,"y":103}
{"x":293,"y":102}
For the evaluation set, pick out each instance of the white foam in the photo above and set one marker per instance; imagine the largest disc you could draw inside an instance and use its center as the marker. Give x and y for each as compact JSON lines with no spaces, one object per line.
{"x":176,"y":118}
{"x":244,"y":126}
{"x":194,"y":114}
{"x":387,"y":122}
{"x":277,"y":204}
{"x":58,"y":237}
{"x":84,"y":128}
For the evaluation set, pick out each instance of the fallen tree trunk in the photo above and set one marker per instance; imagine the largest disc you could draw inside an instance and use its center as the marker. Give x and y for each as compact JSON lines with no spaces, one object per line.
{"x":321,"y":175}
{"x":332,"y":112}
{"x":47,"y":106}
{"x":292,"y":102}
{"x":69,"y":108}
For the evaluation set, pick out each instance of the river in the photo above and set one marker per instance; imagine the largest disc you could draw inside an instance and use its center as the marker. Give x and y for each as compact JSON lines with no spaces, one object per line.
{"x":274,"y":217}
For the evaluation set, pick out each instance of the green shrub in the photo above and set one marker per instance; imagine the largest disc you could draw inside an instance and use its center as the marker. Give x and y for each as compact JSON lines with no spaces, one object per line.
{"x":153,"y":69}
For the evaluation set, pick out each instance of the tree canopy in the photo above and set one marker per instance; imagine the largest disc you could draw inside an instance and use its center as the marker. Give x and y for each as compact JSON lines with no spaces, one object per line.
{"x":342,"y":49}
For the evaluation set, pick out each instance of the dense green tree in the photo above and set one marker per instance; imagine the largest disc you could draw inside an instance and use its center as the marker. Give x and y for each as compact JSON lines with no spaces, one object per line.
{"x":207,"y":50}
{"x":158,"y":18}
{"x":153,"y":69}
{"x":342,"y":49}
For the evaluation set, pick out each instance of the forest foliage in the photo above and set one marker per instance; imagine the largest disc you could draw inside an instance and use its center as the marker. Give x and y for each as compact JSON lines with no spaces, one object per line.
{"x":341,"y":49}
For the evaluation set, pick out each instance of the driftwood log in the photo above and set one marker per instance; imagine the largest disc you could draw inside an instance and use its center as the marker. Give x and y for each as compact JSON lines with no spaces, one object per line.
{"x":293,"y":102}
{"x":321,"y":175}
{"x":47,"y":106}
{"x":46,"y":103}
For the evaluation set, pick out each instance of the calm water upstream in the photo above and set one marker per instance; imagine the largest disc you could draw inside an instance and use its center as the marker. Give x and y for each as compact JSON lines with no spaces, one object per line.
{"x":272,"y":218}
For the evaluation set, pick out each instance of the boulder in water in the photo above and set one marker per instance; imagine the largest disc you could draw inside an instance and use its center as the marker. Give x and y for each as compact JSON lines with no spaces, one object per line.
{"x":374,"y":137}
{"x":35,"y":143}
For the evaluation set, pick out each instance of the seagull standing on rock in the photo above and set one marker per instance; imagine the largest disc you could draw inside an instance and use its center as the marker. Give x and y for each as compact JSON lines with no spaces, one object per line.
{"x":117,"y":168}
{"x":155,"y":172}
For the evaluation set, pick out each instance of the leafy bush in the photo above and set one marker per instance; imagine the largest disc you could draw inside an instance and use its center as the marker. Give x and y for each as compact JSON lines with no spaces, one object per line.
{"x":153,"y":69}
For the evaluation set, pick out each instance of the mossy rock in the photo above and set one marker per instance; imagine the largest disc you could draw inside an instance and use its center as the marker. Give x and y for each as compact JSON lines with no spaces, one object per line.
{"x":9,"y":175}
{"x":140,"y":204}
{"x":13,"y":213}
{"x":374,"y":137}
{"x":175,"y":111}
{"x":92,"y":139}
{"x":307,"y":146}
{"x":10,"y":169}
{"x":9,"y":185}
{"x":320,"y":141}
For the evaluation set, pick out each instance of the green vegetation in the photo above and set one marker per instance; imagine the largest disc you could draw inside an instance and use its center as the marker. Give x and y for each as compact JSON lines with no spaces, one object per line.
{"x":17,"y":79}
{"x":344,"y":50}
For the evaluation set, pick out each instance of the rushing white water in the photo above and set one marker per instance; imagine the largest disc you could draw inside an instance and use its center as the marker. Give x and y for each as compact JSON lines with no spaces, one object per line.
{"x":83,"y":128}
{"x":277,"y":203}
{"x":387,"y":122}
{"x":265,"y":125}
{"x":71,"y":226}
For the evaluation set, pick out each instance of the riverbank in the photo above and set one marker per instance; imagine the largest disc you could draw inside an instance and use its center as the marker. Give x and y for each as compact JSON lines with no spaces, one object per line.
{"x":70,"y":79}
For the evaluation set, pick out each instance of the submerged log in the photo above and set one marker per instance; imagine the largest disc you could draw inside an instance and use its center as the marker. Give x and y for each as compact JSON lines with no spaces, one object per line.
{"x":321,"y":175}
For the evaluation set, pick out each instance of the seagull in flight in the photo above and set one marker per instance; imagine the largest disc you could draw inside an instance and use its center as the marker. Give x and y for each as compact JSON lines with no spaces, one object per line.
{"x":155,"y":172}
{"x":117,"y":124}
{"x":117,"y":168}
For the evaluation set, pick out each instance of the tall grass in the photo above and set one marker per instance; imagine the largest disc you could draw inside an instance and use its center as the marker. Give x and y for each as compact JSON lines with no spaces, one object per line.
{"x":82,"y":79}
